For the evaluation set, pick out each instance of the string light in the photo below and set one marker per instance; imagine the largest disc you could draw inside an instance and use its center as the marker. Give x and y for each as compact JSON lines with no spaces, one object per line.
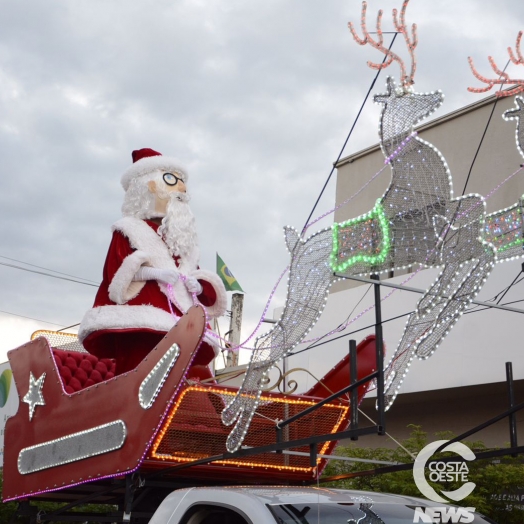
{"x":185,"y":456}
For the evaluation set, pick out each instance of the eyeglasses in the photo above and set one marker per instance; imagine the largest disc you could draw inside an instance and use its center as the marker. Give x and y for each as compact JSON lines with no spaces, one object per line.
{"x":171,"y":180}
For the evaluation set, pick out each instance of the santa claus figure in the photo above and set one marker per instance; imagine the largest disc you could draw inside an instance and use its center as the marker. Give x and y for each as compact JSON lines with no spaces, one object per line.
{"x":151,"y":274}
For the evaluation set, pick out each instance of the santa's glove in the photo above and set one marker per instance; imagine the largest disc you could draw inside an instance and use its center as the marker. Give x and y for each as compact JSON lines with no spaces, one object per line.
{"x":169,"y":276}
{"x":193,"y":285}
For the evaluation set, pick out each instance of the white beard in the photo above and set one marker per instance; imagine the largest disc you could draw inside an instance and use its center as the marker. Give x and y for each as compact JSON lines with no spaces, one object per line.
{"x":178,"y":231}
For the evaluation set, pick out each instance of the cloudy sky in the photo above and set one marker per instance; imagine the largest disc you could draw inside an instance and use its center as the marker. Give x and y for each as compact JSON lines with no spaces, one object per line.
{"x":256,"y":98}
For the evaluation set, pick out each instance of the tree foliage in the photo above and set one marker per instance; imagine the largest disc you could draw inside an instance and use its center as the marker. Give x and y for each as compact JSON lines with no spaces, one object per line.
{"x":498,"y":482}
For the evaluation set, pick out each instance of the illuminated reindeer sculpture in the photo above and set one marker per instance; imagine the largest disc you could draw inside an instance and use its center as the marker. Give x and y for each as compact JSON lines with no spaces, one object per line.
{"x":427,"y":226}
{"x":416,"y":222}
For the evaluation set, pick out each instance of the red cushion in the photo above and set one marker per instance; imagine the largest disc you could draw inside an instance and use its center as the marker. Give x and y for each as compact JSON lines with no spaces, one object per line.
{"x":86,"y":365}
{"x":81,"y":370}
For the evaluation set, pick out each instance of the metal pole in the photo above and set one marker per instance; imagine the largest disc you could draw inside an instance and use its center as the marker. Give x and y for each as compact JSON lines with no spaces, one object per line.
{"x":380,"y":358}
{"x":279,"y":436}
{"x":490,"y":305}
{"x":511,"y":397}
{"x":128,"y":499}
{"x":327,"y":400}
{"x":235,"y":326}
{"x":353,"y":376}
{"x":313,"y":455}
{"x":286,"y":407}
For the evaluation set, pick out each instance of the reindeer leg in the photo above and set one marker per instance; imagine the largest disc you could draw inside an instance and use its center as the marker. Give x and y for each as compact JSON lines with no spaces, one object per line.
{"x":440,"y":307}
{"x":243,"y":406}
{"x":421,"y":325}
{"x":398,"y":366}
{"x":293,"y":325}
{"x":464,"y":285}
{"x":469,"y":260}
{"x":309,"y":279}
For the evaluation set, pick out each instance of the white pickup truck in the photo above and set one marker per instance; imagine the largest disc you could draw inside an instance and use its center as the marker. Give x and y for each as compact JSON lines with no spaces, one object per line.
{"x":297,"y":505}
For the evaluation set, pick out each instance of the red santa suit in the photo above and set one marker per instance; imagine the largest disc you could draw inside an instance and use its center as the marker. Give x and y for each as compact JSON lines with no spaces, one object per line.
{"x":130,"y":317}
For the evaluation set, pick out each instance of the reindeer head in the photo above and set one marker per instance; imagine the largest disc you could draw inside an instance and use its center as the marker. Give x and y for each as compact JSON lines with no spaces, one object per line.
{"x":403,"y":108}
{"x":517,"y":114}
{"x":503,"y":78}
{"x":402,"y":111}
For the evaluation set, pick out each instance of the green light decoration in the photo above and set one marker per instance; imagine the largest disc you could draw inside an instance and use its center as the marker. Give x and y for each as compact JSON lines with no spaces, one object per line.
{"x":375,"y":217}
{"x":515,"y":243}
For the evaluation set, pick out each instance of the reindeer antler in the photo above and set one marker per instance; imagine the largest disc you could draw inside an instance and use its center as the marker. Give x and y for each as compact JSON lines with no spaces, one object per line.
{"x":503,"y":77}
{"x":411,"y":44}
{"x":406,"y":80}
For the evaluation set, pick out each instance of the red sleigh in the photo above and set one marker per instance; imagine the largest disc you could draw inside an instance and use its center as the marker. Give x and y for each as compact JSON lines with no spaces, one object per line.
{"x":78,"y":423}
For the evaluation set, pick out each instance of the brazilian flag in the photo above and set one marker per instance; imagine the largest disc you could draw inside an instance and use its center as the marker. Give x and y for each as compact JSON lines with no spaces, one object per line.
{"x":230,"y":282}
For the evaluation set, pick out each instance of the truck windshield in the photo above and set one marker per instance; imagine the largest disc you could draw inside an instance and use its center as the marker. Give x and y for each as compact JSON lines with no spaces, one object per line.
{"x":367,"y":513}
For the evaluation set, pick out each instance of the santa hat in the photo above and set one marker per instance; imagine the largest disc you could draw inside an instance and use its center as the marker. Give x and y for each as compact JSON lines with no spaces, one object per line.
{"x":148,"y":160}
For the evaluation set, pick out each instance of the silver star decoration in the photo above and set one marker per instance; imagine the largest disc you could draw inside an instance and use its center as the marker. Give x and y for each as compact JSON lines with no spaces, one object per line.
{"x":34,"y":396}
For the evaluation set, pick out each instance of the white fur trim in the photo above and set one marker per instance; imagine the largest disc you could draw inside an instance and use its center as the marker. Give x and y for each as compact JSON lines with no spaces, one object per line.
{"x":129,"y":317}
{"x":143,"y":238}
{"x":149,"y":164}
{"x":220,"y":306}
{"x":125,"y":317}
{"x":122,"y":288}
